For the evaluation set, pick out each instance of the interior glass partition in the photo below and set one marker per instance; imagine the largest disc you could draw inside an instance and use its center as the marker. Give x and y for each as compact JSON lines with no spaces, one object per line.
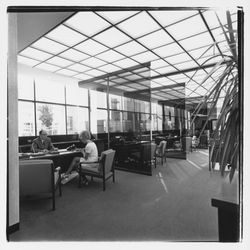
{"x":120,"y":114}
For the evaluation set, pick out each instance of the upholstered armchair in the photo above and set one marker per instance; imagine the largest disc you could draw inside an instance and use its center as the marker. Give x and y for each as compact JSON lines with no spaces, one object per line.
{"x":39,"y":177}
{"x":103,"y":169}
{"x":160,"y":151}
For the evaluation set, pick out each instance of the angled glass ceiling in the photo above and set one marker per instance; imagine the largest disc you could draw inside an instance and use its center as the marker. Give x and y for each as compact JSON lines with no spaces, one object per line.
{"x":174,"y":46}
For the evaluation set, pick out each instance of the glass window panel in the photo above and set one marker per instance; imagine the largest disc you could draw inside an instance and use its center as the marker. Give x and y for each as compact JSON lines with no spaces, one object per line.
{"x":27,"y":61}
{"x":83,"y":76}
{"x":35,"y":54}
{"x":145,"y":57}
{"x":112,"y":37}
{"x":125,"y":63}
{"x":165,"y":70}
{"x":65,"y":35}
{"x":58,"y":61}
{"x":87,"y":22}
{"x":183,"y":29}
{"x":128,"y":121}
{"x":95,"y":72}
{"x":66,"y":72}
{"x":45,"y":91}
{"x":102,"y":117}
{"x":48,"y":67}
{"x":49,"y":46}
{"x":178,"y":58}
{"x":170,"y":17}
{"x":158,"y":64}
{"x":154,"y":122}
{"x":116,"y":16}
{"x":115,"y":102}
{"x":76,"y":95}
{"x":77,"y":119}
{"x":156,"y":39}
{"x":130,"y":48}
{"x":197,"y":41}
{"x":115,"y":123}
{"x":74,"y":55}
{"x":159,"y":123}
{"x":51,"y":118}
{"x":79,"y":67}
{"x":93,"y":62}
{"x":26,"y":119}
{"x":186,"y":65}
{"x":154,"y":84}
{"x":101,"y":99}
{"x":90,"y":47}
{"x":159,"y":109}
{"x":139,"y":25}
{"x":110,"y":56}
{"x":168,"y":50}
{"x":25,"y":87}
{"x":109,"y":68}
{"x":128,"y":104}
{"x":145,"y":122}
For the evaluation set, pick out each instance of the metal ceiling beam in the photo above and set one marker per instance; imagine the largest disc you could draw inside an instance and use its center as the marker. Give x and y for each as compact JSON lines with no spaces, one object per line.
{"x":210,"y":32}
{"x":14,"y":9}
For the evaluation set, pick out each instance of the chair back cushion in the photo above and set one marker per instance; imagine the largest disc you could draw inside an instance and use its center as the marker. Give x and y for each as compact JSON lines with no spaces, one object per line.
{"x":35,"y":176}
{"x":107,"y":159}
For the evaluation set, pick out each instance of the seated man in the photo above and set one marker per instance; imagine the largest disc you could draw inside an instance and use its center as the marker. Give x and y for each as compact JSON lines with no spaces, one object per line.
{"x":42,"y":143}
{"x":90,"y":154}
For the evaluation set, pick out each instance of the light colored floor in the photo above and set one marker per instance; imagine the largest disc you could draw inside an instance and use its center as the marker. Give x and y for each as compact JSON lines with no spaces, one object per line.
{"x":174,"y":204}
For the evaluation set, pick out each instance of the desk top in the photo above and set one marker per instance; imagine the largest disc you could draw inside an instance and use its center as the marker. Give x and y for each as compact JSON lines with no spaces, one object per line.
{"x":49,"y":154}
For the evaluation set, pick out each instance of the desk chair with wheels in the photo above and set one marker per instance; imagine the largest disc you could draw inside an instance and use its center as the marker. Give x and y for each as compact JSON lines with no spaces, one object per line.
{"x":103,"y":169}
{"x":39,"y":177}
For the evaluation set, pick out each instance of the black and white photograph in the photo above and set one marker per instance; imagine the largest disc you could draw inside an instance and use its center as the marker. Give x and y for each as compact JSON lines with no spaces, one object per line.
{"x":123,"y":122}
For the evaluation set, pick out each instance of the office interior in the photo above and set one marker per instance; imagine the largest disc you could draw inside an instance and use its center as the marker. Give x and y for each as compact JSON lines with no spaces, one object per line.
{"x":132,"y":76}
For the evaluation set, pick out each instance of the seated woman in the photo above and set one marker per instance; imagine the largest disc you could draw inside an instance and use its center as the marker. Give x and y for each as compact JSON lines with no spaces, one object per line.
{"x":90,"y":154}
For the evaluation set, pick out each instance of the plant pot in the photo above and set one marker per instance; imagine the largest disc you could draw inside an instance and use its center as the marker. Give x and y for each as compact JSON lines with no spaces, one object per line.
{"x":228,"y":205}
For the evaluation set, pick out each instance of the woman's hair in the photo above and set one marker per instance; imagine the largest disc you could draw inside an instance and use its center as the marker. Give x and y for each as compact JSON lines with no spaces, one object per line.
{"x":85,"y":134}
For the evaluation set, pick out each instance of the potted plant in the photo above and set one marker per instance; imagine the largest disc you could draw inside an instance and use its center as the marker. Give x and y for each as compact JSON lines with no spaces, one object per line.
{"x":224,"y":146}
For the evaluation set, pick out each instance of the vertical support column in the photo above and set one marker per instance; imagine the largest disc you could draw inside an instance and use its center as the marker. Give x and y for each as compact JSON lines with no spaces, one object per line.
{"x":12,"y":129}
{"x":107,"y":96}
{"x":240,"y":17}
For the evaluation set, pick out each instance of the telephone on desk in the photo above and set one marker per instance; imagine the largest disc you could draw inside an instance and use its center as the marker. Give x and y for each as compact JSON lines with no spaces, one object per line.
{"x":71,"y":148}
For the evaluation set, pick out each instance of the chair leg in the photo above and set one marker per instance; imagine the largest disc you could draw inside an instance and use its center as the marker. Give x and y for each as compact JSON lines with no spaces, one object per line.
{"x":92,"y":178}
{"x":113,"y":176}
{"x":60,"y":187}
{"x":53,"y":200}
{"x":79,"y":179}
{"x":103,"y":184}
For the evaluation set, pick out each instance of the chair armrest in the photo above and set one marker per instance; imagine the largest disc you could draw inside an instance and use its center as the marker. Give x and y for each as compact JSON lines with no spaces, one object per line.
{"x":89,"y":162}
{"x":58,"y":169}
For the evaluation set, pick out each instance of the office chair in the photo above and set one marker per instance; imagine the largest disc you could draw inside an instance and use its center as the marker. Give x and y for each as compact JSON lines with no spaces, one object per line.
{"x":103,"y":169}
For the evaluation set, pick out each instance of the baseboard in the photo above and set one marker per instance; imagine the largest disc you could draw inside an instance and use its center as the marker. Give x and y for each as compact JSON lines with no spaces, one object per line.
{"x":13,"y":228}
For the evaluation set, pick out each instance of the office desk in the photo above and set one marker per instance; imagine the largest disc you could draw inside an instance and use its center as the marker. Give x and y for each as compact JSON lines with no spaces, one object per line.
{"x":129,"y":157}
{"x":62,"y":158}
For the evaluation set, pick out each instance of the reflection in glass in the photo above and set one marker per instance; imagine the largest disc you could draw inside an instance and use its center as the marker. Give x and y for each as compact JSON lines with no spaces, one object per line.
{"x":114,"y":102}
{"x":115,"y":124}
{"x":128,"y":122}
{"x":77,"y":119}
{"x":102,"y":126}
{"x":26,"y":119}
{"x":51,"y":118}
{"x":128,"y":104}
